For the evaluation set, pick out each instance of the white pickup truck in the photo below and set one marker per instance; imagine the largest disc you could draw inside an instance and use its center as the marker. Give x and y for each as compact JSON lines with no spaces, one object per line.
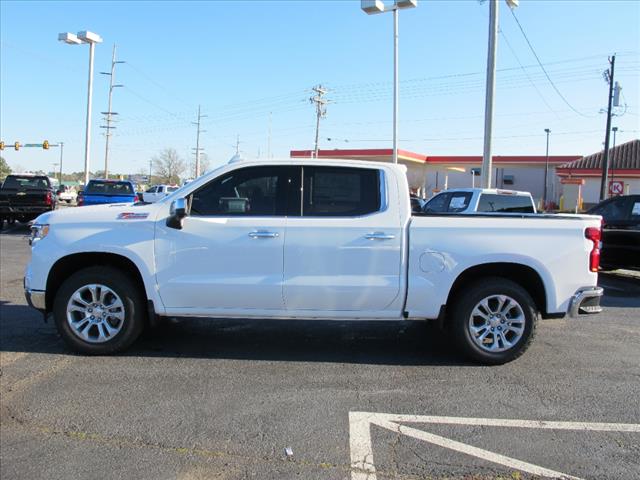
{"x":158,"y":192}
{"x":309,"y":239}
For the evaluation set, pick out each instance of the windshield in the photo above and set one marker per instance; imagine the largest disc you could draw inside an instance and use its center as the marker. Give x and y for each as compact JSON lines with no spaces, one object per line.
{"x":26,"y":182}
{"x":109,"y":188}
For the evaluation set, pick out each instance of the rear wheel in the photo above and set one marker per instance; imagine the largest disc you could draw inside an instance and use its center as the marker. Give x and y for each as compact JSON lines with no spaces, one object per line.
{"x":99,"y":310}
{"x":495,"y":321}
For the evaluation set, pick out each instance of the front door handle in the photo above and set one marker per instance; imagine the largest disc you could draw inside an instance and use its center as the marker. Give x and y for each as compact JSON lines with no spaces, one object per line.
{"x":264,"y":234}
{"x":379,"y":236}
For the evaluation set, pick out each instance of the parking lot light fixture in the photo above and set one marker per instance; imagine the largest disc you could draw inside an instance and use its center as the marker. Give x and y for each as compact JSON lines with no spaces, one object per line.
{"x":372,"y":7}
{"x":90,"y":38}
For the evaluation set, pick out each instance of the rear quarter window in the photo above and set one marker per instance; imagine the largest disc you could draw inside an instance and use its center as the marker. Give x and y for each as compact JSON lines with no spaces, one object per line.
{"x":505,"y":203}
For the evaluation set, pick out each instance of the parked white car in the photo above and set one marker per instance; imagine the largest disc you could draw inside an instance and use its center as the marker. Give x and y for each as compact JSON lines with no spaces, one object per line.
{"x":309,"y":239}
{"x":480,"y":200}
{"x":158,"y":192}
{"x":67,"y":194}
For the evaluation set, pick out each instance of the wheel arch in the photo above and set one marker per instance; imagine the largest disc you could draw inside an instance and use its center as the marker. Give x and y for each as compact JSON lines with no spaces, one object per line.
{"x":523,"y":275}
{"x":66,"y":266}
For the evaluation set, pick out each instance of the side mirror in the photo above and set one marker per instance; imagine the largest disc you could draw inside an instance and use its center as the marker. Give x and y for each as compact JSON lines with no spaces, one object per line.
{"x":177,"y":212}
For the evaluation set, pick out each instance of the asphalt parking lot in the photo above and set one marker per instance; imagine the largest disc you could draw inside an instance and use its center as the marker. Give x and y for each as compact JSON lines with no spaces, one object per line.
{"x":314,"y":400}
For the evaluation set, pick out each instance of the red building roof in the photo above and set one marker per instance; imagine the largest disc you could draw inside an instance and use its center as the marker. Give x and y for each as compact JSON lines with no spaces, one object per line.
{"x":386,"y":154}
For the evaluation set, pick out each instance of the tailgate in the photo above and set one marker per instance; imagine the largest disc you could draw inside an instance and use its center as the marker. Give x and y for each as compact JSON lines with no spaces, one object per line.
{"x":97,"y":199}
{"x":25,"y":197}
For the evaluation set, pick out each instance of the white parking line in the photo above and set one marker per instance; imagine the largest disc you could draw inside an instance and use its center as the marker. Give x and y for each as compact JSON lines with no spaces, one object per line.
{"x":363,"y":467}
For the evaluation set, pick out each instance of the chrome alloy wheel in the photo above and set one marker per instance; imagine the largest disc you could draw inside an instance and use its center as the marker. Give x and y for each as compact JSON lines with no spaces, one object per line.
{"x":95,"y":313}
{"x":497,"y":323}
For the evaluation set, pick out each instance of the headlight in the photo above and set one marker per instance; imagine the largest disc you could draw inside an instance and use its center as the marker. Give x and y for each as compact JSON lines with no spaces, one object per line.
{"x":38,"y":232}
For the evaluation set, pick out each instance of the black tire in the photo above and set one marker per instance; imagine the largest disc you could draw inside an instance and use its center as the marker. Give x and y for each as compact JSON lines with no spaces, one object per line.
{"x":11,"y":220}
{"x":129,"y":292}
{"x":467,"y":301}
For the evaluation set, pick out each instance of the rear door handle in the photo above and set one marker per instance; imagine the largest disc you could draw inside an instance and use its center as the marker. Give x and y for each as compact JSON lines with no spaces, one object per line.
{"x":379,"y":236}
{"x":264,"y":234}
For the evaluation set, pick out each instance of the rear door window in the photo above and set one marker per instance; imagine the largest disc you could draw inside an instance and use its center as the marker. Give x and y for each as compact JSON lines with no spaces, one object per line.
{"x":490,"y":202}
{"x":340,"y":192}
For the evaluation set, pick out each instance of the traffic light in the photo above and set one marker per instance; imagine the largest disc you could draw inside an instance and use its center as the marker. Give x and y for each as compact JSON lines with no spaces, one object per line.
{"x":45,"y":145}
{"x":1,"y":145}
{"x":16,"y":146}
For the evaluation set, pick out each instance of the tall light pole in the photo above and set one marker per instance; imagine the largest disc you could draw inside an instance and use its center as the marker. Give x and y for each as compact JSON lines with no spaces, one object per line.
{"x":90,"y":38}
{"x":371,"y":7}
{"x":546,"y":172}
{"x":485,"y":179}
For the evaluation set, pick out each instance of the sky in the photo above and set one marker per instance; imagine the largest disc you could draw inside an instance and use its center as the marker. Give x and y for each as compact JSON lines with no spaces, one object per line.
{"x":251,"y":66}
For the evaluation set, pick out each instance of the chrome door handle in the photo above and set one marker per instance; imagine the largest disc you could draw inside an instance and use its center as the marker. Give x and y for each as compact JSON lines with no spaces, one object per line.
{"x":264,"y":234}
{"x":379,"y":236}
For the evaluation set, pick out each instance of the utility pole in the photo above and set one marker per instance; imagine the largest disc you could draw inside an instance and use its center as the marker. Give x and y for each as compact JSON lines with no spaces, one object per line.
{"x":198,"y":149}
{"x":605,"y":160}
{"x":238,"y":144}
{"x":109,"y":113}
{"x":61,"y":150}
{"x":269,"y":139}
{"x":546,"y":172}
{"x":150,"y":165}
{"x":613,"y":159}
{"x":321,"y":111}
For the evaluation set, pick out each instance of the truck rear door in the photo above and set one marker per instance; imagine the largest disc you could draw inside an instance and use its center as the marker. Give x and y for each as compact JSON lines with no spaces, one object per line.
{"x":344,"y":252}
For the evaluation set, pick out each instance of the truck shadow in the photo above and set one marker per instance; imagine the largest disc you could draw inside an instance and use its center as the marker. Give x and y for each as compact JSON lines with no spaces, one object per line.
{"x":362,"y":342}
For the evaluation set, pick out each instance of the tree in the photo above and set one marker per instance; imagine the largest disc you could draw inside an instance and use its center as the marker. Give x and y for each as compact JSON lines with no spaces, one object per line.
{"x":205,"y":164}
{"x":5,"y":169}
{"x":168,"y":166}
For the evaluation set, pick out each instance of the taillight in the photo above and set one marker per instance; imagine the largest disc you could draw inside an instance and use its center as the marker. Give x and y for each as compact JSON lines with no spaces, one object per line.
{"x":595,"y":235}
{"x":135,"y":199}
{"x":80,"y":199}
{"x":48,"y":199}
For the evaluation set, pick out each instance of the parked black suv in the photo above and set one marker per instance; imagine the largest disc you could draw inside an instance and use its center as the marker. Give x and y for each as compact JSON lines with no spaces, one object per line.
{"x":621,"y":232}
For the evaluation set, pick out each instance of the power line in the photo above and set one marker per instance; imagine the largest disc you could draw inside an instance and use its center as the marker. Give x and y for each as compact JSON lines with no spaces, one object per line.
{"x":542,"y":66}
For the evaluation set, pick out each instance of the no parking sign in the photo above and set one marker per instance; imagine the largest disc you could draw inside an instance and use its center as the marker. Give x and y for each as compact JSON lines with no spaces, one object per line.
{"x":616,"y":187}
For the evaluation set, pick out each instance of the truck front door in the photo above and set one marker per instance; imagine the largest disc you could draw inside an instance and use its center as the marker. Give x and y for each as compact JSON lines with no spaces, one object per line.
{"x":229,"y":253}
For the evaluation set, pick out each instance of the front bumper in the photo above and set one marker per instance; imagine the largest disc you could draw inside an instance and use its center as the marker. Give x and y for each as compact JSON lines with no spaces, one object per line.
{"x":35,"y":298}
{"x":586,"y":301}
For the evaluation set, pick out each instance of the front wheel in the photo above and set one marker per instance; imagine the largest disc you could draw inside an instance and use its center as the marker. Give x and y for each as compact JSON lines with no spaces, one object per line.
{"x":494,"y":322}
{"x":99,"y":310}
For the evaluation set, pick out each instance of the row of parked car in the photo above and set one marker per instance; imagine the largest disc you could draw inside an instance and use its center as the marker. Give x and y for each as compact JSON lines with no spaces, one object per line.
{"x":23,"y":197}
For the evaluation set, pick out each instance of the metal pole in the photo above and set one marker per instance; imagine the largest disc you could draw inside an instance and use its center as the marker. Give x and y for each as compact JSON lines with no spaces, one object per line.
{"x":61,"y":151}
{"x":198,"y":146}
{"x":491,"y":87}
{"x":605,"y":162}
{"x":108,"y":133}
{"x":395,"y":85}
{"x":87,"y":141}
{"x":546,"y":172}
{"x":315,"y":148}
